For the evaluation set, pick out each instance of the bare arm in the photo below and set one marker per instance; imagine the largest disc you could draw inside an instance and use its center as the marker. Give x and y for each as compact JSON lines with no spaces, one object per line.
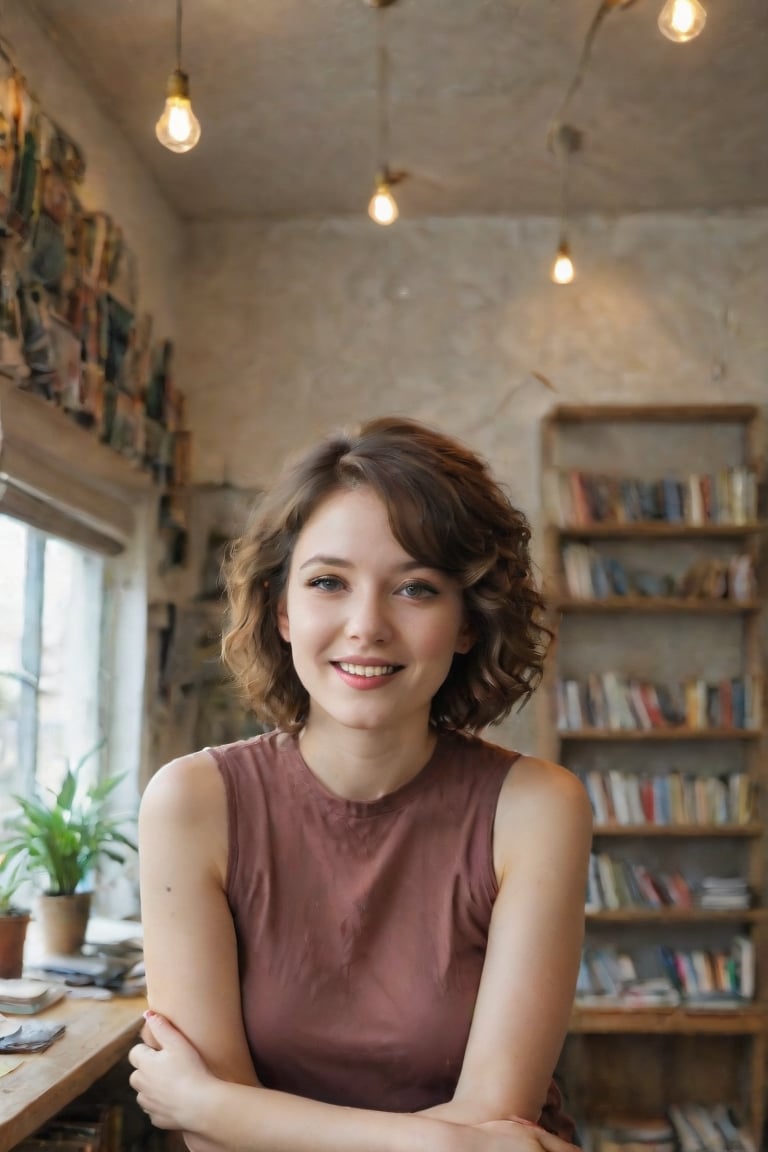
{"x":542,"y":839}
{"x":193,"y":980}
{"x":189,"y":938}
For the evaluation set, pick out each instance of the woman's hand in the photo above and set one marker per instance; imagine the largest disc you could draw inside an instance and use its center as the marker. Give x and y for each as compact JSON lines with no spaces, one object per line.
{"x":171,"y":1078}
{"x":173,"y":1084}
{"x":517,"y":1136}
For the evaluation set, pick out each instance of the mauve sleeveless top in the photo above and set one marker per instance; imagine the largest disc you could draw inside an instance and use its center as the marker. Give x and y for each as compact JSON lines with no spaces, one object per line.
{"x":362,"y":925}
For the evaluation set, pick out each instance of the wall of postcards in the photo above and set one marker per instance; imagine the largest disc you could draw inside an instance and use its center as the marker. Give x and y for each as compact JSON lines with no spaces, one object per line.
{"x":71,"y":329}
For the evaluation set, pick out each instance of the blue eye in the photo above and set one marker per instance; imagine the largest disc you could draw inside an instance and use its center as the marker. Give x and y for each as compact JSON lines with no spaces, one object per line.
{"x":326,"y":583}
{"x":417,"y":590}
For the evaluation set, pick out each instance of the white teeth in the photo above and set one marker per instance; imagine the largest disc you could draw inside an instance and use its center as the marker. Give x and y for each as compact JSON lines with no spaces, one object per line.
{"x":367,"y":669}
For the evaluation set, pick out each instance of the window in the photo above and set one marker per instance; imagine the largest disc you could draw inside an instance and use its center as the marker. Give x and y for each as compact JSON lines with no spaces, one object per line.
{"x":51,"y":614}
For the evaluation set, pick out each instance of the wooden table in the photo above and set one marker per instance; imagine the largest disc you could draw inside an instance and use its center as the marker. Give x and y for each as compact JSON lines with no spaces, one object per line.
{"x":99,"y":1033}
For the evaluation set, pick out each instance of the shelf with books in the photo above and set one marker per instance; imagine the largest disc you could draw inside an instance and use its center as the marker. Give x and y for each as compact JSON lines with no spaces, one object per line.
{"x":654,"y":521}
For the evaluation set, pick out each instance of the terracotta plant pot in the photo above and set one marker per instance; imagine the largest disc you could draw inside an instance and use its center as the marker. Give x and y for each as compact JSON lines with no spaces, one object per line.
{"x":13,"y":933}
{"x":63,"y":921}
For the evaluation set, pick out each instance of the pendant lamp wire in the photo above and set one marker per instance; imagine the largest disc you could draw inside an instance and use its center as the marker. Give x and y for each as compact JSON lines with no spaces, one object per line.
{"x":564,"y":183}
{"x":382,"y":86}
{"x":178,"y":35}
{"x":602,"y":10}
{"x":566,"y":141}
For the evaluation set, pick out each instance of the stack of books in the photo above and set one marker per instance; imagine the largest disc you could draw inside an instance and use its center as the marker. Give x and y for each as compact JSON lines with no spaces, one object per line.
{"x":26,"y":997}
{"x":723,"y":892}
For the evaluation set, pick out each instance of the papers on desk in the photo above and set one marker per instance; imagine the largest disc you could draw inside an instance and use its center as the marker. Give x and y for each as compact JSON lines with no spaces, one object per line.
{"x":8,"y":1027}
{"x":32,"y":1036}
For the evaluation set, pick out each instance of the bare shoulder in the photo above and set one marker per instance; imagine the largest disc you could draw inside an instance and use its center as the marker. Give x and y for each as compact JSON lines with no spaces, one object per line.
{"x":540,"y":796}
{"x":184,"y":786}
{"x":533,"y":780}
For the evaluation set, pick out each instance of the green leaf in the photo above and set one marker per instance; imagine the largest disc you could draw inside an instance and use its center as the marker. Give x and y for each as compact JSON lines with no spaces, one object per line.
{"x":66,"y":795}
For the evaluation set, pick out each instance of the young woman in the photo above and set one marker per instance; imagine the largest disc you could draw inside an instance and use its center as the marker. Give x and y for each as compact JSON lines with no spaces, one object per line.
{"x":363,"y":929}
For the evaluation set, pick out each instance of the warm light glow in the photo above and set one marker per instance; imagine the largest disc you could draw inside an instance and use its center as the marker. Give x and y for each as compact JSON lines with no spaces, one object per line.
{"x":178,"y":129}
{"x":562,"y":269}
{"x":682,"y":20}
{"x":383,"y":207}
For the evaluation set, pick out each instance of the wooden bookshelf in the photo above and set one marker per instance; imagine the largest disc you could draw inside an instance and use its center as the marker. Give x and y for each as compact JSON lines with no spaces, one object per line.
{"x":674,"y":915}
{"x":742,"y":414}
{"x":654,"y":530}
{"x":671,"y":831}
{"x":638,"y":449}
{"x":705,"y":1020}
{"x":645,"y":735}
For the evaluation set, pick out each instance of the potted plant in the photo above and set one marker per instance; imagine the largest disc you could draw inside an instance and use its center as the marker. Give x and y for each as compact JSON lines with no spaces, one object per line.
{"x":64,"y":835}
{"x":14,"y":919}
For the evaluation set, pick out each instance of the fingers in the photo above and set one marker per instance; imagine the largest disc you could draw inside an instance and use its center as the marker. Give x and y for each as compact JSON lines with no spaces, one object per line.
{"x":165,"y":1034}
{"x":528,"y":1135}
{"x":148,"y":1037}
{"x":551,"y":1143}
{"x":137,"y":1053}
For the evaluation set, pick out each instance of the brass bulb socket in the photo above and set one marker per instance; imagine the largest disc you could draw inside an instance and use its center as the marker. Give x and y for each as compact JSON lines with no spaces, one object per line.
{"x":178,"y":85}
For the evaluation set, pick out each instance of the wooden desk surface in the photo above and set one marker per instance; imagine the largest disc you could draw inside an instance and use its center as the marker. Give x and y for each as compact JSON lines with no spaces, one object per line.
{"x":99,"y":1033}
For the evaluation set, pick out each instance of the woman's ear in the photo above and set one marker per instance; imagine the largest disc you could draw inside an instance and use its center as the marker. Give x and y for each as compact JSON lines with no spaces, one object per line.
{"x":283,"y":626}
{"x":465,"y":639}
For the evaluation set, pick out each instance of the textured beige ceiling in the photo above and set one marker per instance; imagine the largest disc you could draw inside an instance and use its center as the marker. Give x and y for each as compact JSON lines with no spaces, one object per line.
{"x":285,"y":93}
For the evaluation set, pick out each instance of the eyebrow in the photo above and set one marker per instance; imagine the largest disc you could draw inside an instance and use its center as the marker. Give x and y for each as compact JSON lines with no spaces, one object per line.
{"x":340,"y":562}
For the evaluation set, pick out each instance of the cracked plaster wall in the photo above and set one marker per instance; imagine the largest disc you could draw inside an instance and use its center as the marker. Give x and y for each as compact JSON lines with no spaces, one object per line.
{"x":291,"y":328}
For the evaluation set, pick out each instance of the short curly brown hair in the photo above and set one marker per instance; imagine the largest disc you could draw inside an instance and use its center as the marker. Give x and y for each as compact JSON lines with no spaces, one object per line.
{"x":445,"y":510}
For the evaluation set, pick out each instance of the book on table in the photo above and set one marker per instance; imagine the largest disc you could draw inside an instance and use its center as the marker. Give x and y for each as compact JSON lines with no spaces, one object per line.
{"x":27,"y":996}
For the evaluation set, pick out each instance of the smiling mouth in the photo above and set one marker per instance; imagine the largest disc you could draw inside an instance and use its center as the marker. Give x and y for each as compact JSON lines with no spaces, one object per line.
{"x":367,"y":670}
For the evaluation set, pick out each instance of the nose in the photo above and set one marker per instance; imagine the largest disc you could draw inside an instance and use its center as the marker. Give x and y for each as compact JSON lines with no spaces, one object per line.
{"x":368,"y":620}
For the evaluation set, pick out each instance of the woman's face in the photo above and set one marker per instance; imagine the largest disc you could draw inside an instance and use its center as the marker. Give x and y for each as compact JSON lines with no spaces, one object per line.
{"x":372,"y":631}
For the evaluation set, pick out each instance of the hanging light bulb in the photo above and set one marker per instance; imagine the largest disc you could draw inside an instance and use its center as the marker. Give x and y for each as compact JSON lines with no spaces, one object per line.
{"x":383,"y":206}
{"x":566,"y":141}
{"x":682,"y":20}
{"x":562,"y":269}
{"x":178,"y":129}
